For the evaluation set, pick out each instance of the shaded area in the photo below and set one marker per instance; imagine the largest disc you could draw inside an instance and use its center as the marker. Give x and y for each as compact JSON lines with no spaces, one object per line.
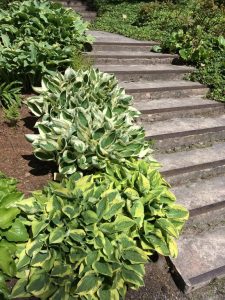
{"x":16,"y":158}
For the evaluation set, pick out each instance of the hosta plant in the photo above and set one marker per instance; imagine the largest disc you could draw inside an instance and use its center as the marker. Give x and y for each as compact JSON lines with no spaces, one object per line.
{"x":13,"y":232}
{"x":91,"y":236}
{"x":86,"y":120}
{"x":36,"y":38}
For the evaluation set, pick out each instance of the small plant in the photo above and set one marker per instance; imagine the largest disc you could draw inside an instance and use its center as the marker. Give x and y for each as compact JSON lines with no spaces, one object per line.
{"x":80,"y":61}
{"x":12,"y":114}
{"x":10,"y":94}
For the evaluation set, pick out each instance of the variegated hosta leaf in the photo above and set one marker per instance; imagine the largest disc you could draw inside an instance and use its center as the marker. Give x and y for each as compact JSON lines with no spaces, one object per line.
{"x":91,"y":236}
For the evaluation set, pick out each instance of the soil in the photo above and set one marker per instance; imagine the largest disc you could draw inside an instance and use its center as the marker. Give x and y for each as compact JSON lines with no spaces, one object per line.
{"x":16,"y":157}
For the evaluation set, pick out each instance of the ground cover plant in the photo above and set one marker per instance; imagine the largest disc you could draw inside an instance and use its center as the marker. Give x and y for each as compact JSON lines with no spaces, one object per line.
{"x":36,"y":38}
{"x":193,"y":28}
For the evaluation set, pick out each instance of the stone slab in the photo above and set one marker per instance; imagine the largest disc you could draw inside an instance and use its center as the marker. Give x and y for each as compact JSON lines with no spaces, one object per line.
{"x":201,"y":193}
{"x":201,"y":257}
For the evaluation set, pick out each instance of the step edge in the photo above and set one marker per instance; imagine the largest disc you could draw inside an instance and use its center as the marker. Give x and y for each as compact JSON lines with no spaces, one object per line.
{"x":164,"y":136}
{"x":197,"y":167}
{"x":180,"y":108}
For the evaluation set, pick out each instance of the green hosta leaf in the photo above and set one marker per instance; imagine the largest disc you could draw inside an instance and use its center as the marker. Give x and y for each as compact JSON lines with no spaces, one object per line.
{"x":29,"y":206}
{"x":123,"y":223}
{"x":40,"y":258}
{"x":10,"y":199}
{"x":19,"y":290}
{"x":57,"y":235}
{"x":70,"y":211}
{"x":88,"y":285}
{"x":44,"y":155}
{"x":131,"y":194}
{"x":77,"y":254}
{"x":37,"y":227}
{"x":7,"y":215}
{"x":103,"y":268}
{"x":89,"y":217}
{"x":77,"y":234}
{"x":158,"y":244}
{"x":7,"y":264}
{"x":172,"y":246}
{"x":132,"y":277}
{"x":167,"y":226}
{"x":135,"y":255}
{"x":38,"y":283}
{"x":108,"y":140}
{"x":17,"y":233}
{"x":143,"y":184}
{"x":34,"y":246}
{"x":177,"y":212}
{"x":60,"y":270}
{"x":92,"y":257}
{"x":23,"y":260}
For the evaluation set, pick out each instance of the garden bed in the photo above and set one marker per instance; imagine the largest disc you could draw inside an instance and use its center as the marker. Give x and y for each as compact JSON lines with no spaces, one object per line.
{"x":17,"y":159}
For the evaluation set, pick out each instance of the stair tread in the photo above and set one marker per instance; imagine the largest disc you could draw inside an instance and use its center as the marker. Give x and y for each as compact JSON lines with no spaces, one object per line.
{"x":129,"y":54}
{"x":179,"y":160}
{"x":157,"y":84}
{"x":178,"y":125}
{"x":113,"y":38}
{"x":201,"y":193}
{"x":200,"y":254}
{"x":143,"y":68}
{"x":171,"y":103}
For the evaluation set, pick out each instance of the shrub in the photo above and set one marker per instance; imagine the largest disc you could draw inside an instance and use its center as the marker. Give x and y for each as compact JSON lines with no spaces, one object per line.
{"x":87,"y":120}
{"x":12,"y":230}
{"x":12,"y":114}
{"x":36,"y":38}
{"x":91,"y":236}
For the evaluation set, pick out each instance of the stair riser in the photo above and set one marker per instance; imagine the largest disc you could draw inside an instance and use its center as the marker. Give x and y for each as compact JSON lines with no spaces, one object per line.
{"x":161,"y":93}
{"x":121,"y":47}
{"x":132,"y":61}
{"x":186,"y":113}
{"x":164,"y":75}
{"x":182,"y":143}
{"x":192,"y":175}
{"x":86,"y":14}
{"x":203,"y":221}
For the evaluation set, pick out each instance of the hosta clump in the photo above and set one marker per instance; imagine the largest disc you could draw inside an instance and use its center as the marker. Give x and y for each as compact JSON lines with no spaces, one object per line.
{"x":86,"y":121}
{"x":92,"y":235}
{"x":12,"y":231}
{"x":36,"y":38}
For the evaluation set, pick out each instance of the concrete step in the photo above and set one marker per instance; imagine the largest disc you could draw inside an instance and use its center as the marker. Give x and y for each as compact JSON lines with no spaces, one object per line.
{"x":165,"y":109}
{"x":146,"y":72}
{"x":187,"y":166}
{"x":184,"y":133}
{"x":201,"y":241}
{"x":203,"y":199}
{"x":131,"y":58}
{"x":144,"y":91}
{"x":201,"y":258}
{"x":108,"y":45}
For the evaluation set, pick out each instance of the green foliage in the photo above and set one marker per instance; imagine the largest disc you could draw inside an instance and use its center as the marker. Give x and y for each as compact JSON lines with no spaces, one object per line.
{"x":80,"y":61}
{"x":87,"y":120}
{"x":91,"y":236}
{"x":12,"y":114}
{"x":195,"y":29}
{"x":36,"y":38}
{"x":12,"y":230}
{"x":10,"y":94}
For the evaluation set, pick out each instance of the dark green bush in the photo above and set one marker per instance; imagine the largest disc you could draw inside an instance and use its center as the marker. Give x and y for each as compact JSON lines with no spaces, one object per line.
{"x":36,"y":38}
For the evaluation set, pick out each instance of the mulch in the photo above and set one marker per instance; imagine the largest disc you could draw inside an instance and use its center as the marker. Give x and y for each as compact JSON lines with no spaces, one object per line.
{"x":16,"y":154}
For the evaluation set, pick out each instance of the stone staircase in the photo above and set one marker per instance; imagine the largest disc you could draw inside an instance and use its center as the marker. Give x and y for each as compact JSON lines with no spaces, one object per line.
{"x":189,"y":140}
